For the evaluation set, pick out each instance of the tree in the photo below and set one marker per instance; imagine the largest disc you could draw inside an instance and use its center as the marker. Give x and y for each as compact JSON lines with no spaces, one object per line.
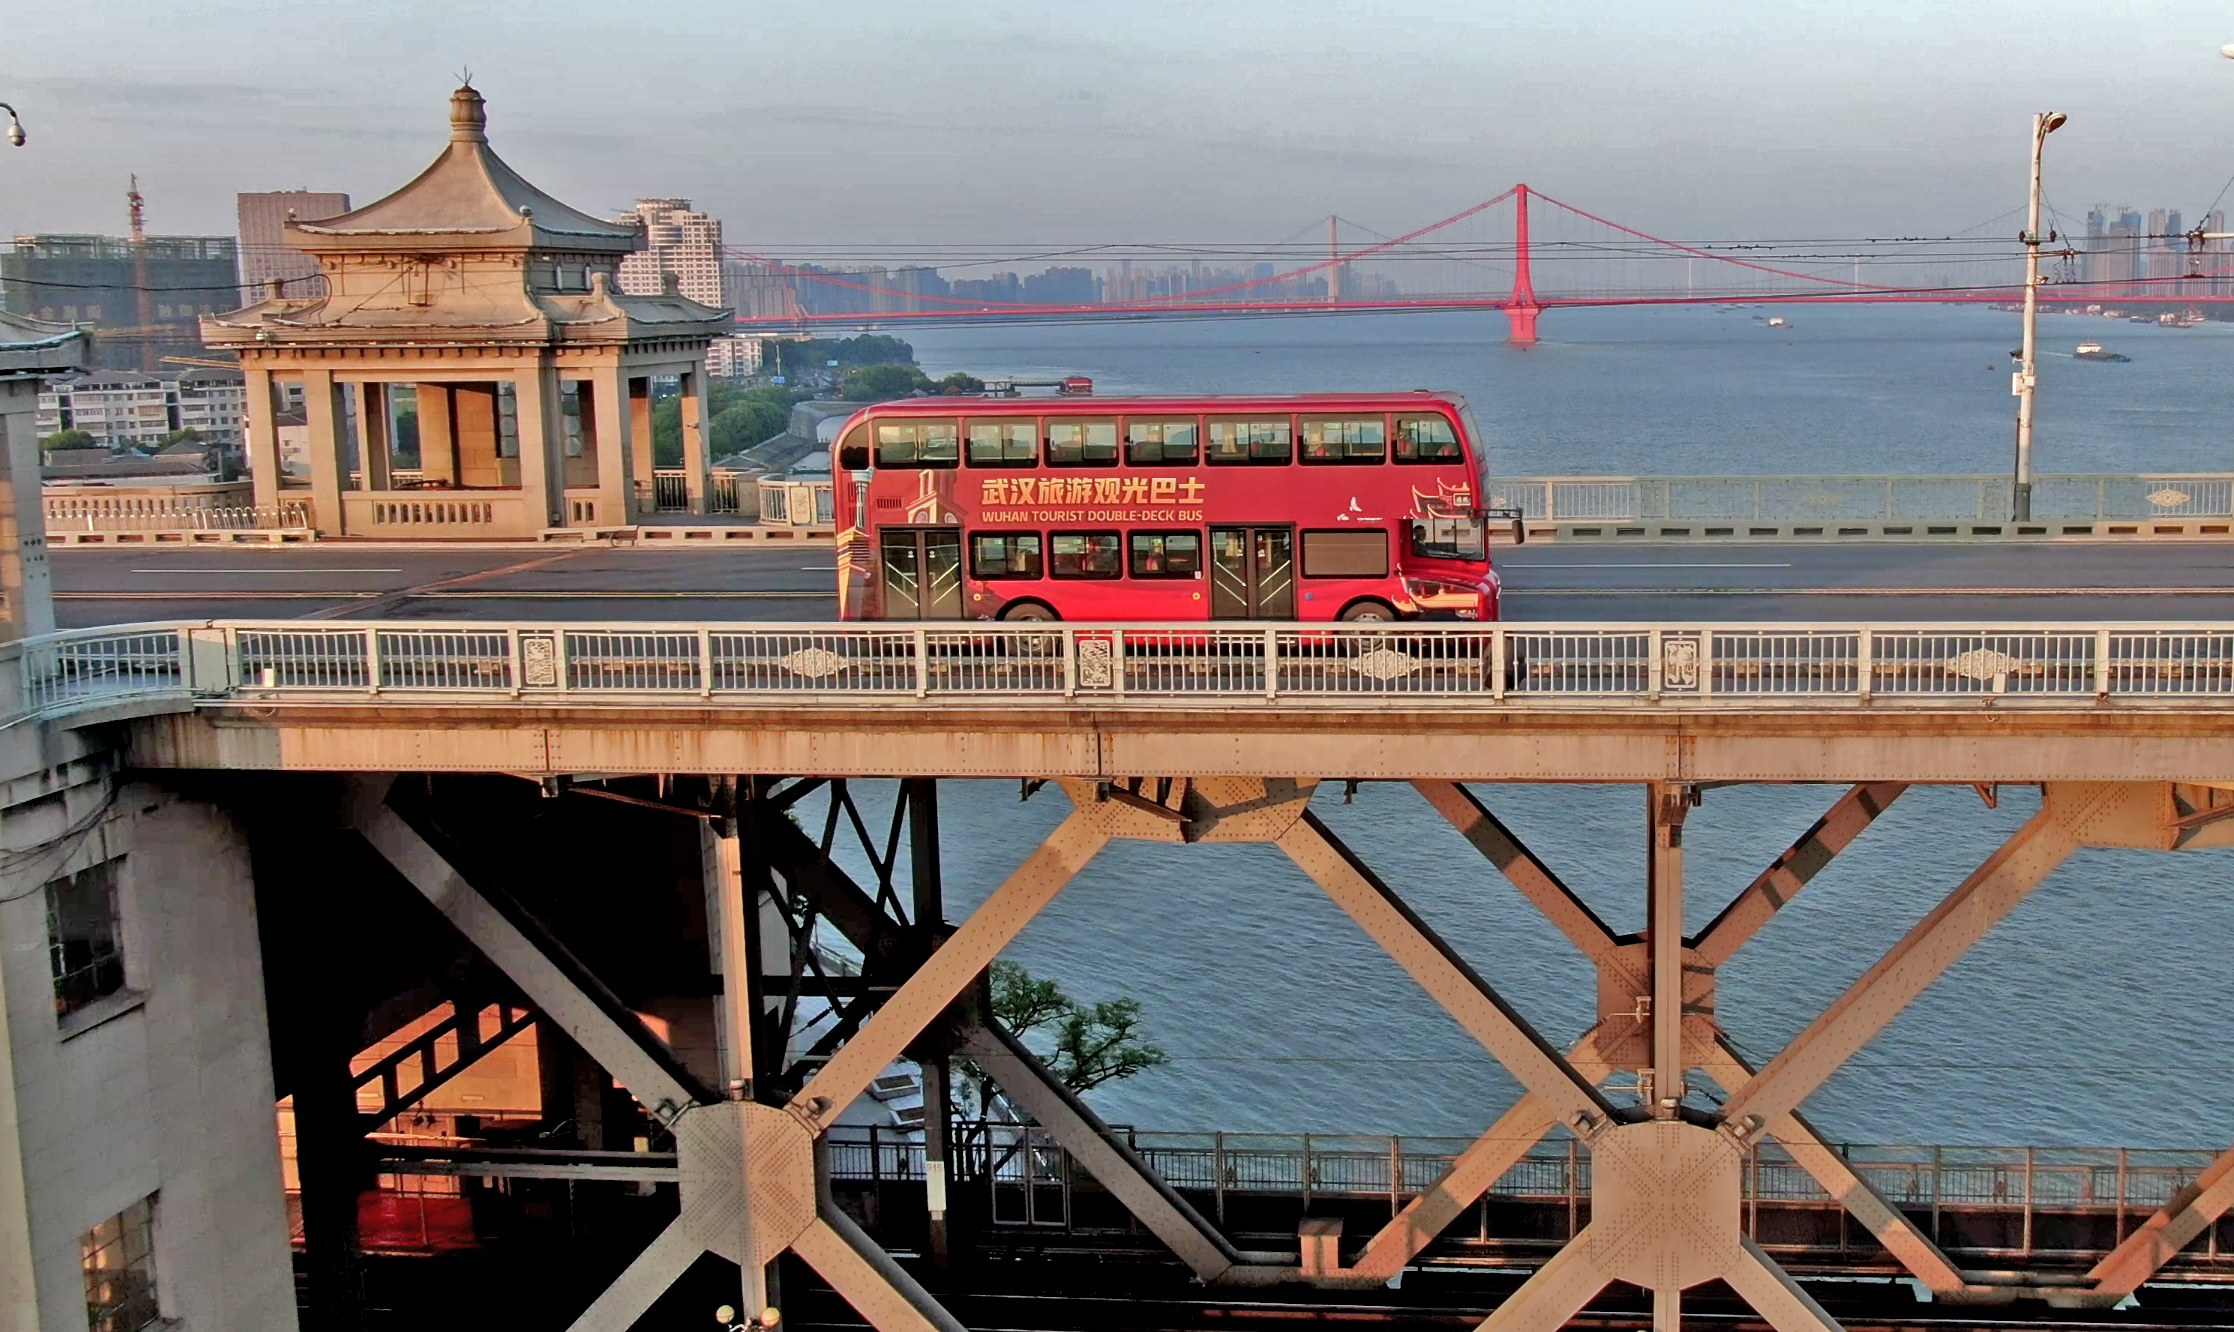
{"x":69,"y":439}
{"x":879,"y":383}
{"x":1090,"y":1044}
{"x":959,"y":382}
{"x":186,"y":436}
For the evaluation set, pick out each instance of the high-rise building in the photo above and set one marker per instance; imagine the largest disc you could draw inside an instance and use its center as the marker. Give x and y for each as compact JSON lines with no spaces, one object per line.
{"x":264,"y":254}
{"x":682,"y":244}
{"x":145,"y":299}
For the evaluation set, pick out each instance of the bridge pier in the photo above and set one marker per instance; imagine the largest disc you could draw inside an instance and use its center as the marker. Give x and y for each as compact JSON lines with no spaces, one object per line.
{"x":1522,"y":319}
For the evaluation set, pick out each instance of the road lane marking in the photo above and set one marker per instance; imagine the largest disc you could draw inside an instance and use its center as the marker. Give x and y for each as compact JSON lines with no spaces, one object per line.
{"x":258,"y":573}
{"x":1505,"y":565}
{"x":724,"y":594}
{"x":397,"y":597}
{"x":2223,"y":591}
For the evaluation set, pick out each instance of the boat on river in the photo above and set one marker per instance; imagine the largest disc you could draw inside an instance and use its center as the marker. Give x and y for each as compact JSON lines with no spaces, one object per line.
{"x":2094,"y":351}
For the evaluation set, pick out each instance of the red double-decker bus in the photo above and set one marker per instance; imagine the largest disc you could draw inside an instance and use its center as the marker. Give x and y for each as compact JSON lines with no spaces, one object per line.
{"x":1324,"y":507}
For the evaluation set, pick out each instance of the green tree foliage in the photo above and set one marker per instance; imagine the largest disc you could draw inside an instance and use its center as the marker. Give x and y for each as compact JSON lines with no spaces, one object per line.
{"x":1084,"y":1045}
{"x":405,"y":437}
{"x":880,"y":383}
{"x":799,"y":358}
{"x":958,"y":382}
{"x":69,"y":439}
{"x":736,"y":418}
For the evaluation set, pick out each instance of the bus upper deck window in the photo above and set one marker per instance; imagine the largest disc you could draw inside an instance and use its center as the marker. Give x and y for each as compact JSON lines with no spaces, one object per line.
{"x":1425,"y":439}
{"x":1258,"y":441}
{"x":1081,"y":443}
{"x":1004,"y":443}
{"x":918,"y":444}
{"x":1345,"y":439}
{"x":1160,"y":443}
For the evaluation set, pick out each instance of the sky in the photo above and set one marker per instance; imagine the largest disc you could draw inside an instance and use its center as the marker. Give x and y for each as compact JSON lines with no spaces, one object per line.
{"x":1023,"y":126}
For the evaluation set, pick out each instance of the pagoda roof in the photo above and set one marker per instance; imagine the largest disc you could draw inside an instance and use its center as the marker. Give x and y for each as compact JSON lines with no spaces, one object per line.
{"x":31,"y":348}
{"x":489,"y":314}
{"x":467,"y":199}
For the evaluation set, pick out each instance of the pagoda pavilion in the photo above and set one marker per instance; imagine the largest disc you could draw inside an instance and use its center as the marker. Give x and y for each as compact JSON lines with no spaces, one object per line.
{"x":496,"y":307}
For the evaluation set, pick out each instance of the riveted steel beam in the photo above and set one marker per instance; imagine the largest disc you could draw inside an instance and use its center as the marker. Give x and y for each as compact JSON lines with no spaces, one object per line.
{"x":2188,"y":1214}
{"x":1991,"y":892}
{"x":969,"y":951}
{"x":1888,"y":1223}
{"x":1447,"y":979}
{"x":1470,"y":1176}
{"x":1089,"y":1141}
{"x":1794,"y":869}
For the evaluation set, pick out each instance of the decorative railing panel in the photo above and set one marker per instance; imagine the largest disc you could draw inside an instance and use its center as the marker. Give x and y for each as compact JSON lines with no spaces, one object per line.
{"x":1441,"y":665}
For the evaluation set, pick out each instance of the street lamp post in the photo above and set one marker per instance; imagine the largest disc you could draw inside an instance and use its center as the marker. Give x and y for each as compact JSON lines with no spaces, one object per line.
{"x":2043,"y":125}
{"x":15,"y":126}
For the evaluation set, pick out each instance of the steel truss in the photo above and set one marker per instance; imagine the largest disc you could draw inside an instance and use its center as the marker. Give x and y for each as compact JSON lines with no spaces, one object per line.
{"x":1665,"y":1176}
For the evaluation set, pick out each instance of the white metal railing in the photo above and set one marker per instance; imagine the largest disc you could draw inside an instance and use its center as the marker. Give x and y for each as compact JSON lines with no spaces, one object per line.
{"x":1451,"y":665}
{"x":65,"y":516}
{"x":670,"y":490}
{"x":2056,"y":497}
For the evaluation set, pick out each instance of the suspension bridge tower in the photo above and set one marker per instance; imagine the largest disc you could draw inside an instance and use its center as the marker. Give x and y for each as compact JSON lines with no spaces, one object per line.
{"x":1521,"y":309}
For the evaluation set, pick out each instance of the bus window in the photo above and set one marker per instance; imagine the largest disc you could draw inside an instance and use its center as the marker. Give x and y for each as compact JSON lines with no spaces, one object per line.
{"x":1441,"y":538}
{"x":1005,"y":555}
{"x":1356,"y":553}
{"x":1427,"y":439}
{"x":1081,"y":443}
{"x":1004,"y":443}
{"x":1345,"y":439}
{"x":1160,"y":443}
{"x":1084,"y":555}
{"x":1167,"y":554}
{"x":1245,"y":441}
{"x":918,"y":444}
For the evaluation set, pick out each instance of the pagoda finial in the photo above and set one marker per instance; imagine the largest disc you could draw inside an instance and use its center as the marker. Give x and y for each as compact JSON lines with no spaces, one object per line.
{"x":469,"y":120}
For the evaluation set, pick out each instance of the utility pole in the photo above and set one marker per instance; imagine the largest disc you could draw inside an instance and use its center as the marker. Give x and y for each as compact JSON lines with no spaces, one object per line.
{"x":2024,"y":381}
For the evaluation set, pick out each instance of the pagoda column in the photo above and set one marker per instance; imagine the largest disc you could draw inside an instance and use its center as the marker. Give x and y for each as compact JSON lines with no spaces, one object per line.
{"x":542,"y":457}
{"x":376,"y":451}
{"x":607,"y":416}
{"x":263,"y":440}
{"x":322,"y":415}
{"x":697,"y":479}
{"x":640,"y":440}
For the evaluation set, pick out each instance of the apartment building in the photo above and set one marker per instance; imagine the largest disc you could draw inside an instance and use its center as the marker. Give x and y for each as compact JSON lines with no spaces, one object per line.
{"x":129,"y":408}
{"x":681,"y":244}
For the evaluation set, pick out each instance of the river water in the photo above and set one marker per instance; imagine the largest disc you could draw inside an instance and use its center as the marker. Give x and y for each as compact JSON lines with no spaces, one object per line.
{"x":2095,"y":1015}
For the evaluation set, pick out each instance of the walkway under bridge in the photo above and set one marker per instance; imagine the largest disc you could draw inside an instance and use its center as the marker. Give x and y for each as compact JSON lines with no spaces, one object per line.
{"x":595,"y":824}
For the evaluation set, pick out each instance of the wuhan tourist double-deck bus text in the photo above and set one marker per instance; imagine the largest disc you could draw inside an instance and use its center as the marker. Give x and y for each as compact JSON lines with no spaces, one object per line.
{"x":1358,"y":507}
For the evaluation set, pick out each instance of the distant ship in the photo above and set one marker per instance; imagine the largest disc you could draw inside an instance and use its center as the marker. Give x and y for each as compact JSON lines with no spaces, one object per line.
{"x":1778,"y":321}
{"x":2092,"y":351}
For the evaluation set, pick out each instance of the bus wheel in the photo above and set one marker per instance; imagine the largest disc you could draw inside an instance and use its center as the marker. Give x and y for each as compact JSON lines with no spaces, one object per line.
{"x":1033,"y":645}
{"x":1369,"y":612}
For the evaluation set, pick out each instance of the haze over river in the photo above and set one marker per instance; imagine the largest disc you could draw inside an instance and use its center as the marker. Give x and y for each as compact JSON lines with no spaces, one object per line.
{"x":2097,"y":1014}
{"x":1690,"y":391}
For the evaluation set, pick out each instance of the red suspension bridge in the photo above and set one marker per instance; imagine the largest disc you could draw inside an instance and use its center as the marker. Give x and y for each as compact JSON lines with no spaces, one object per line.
{"x":1522,"y":252}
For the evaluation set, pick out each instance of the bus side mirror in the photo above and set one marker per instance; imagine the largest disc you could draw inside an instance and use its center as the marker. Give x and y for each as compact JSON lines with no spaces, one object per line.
{"x":853,"y":457}
{"x":1520,"y":532}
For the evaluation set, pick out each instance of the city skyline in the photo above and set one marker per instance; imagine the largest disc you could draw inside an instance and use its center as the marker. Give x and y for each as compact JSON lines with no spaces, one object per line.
{"x":1739,"y":121}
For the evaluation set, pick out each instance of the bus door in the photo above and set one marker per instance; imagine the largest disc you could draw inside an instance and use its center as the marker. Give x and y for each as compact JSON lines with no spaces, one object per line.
{"x":1252,"y":573}
{"x":921,"y":569}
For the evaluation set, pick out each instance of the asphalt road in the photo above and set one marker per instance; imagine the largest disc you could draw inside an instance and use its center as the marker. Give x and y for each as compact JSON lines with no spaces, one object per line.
{"x":2156,"y":581}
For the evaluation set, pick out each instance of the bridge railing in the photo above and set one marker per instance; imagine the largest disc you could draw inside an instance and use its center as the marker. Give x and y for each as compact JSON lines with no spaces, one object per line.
{"x":1443,"y":664}
{"x":2019,"y":1182}
{"x":2056,"y":497}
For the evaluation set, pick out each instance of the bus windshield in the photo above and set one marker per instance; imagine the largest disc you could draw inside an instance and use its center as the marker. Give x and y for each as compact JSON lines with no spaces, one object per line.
{"x":1460,"y":538}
